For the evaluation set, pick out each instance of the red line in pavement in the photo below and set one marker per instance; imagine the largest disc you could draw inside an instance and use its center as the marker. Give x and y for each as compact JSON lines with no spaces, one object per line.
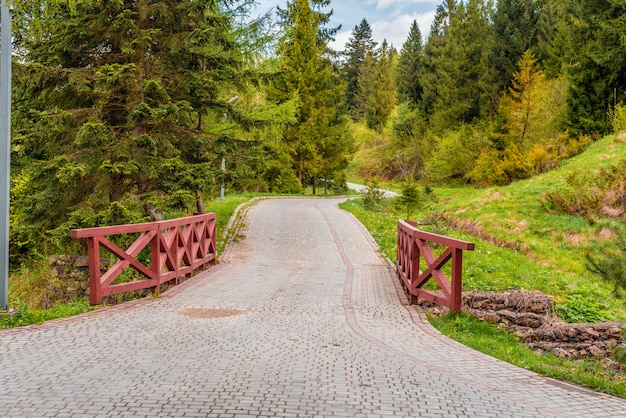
{"x":353,"y":324}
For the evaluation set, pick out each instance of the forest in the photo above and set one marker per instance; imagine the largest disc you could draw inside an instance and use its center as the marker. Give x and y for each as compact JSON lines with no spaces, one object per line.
{"x":124,"y":109}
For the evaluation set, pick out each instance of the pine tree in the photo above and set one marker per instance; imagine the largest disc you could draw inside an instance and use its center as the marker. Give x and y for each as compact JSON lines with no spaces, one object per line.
{"x":318,"y":142}
{"x":550,"y":41}
{"x":365,"y":87}
{"x":432,"y":55}
{"x":457,"y":87}
{"x":382,"y":100}
{"x":595,"y":51}
{"x":115,"y":99}
{"x":359,"y":45}
{"x":410,"y":67}
{"x":515,"y":25}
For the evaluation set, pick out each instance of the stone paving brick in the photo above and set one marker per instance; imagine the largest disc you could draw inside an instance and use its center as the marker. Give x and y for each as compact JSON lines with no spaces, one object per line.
{"x":324,"y":334}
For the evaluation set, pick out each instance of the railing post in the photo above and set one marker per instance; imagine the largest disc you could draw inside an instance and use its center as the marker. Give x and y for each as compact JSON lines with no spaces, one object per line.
{"x":414,"y":259}
{"x":213,"y":247}
{"x":155,"y":255}
{"x":457,"y":283}
{"x":95,"y":287}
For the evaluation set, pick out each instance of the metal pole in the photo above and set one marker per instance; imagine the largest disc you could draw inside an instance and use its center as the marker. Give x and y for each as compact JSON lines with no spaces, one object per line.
{"x":223,"y":174}
{"x":232,"y":101}
{"x":5,"y":148}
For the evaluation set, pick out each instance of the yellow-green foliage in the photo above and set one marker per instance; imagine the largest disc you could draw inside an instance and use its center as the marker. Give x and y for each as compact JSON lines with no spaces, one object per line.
{"x":618,"y":119}
{"x":604,"y":196}
{"x":531,"y":142}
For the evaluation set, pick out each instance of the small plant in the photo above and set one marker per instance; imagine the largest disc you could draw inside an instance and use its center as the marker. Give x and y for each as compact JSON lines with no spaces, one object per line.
{"x":581,"y":308}
{"x":373,"y":198}
{"x":611,"y":264}
{"x":618,"y":118}
{"x":26,"y":316}
{"x":619,"y":354}
{"x":410,"y":200}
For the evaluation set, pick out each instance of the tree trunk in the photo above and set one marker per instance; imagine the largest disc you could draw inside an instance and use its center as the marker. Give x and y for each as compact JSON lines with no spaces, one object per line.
{"x":154,"y":213}
{"x":314,"y":184}
{"x":199,"y":202}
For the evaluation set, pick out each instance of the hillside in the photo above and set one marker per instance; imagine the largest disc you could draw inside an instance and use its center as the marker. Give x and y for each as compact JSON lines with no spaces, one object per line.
{"x":520,"y":243}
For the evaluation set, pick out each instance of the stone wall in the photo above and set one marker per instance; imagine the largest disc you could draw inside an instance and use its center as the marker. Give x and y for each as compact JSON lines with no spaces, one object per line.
{"x":531,"y":316}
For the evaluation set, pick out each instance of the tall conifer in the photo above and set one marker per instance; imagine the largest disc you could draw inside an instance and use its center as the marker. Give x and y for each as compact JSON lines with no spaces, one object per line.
{"x":410,"y":67}
{"x":118,"y":96}
{"x":318,"y":142}
{"x":359,"y":45}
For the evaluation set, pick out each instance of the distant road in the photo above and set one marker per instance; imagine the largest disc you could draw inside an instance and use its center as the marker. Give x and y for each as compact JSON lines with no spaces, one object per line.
{"x":360,"y":187}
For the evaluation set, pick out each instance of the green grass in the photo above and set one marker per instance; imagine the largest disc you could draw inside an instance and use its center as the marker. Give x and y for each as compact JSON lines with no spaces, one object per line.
{"x":25,"y":316}
{"x":506,"y":346}
{"x":521,"y":244}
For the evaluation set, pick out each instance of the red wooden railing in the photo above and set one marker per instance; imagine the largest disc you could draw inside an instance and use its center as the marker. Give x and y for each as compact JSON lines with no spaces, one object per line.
{"x":412,"y":247}
{"x":178,"y":247}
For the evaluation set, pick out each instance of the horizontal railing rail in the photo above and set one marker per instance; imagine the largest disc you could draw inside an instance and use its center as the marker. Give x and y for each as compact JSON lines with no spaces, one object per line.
{"x":413,"y":246}
{"x":178,"y":248}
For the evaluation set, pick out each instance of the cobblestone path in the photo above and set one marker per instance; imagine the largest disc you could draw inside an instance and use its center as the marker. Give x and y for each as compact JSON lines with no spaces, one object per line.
{"x":303,"y":321}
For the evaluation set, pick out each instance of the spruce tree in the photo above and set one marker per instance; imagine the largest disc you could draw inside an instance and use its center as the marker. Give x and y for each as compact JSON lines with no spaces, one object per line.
{"x":318,"y":142}
{"x":359,"y":45}
{"x":115,"y":99}
{"x":410,"y":67}
{"x":381,"y":89}
{"x":515,"y":26}
{"x":460,"y":67}
{"x":595,"y":51}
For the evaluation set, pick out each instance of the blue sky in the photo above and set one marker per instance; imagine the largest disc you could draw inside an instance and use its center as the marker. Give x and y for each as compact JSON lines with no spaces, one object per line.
{"x":389,"y":19}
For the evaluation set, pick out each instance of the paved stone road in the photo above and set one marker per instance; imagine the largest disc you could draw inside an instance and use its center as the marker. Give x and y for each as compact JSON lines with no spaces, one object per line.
{"x":304,"y":321}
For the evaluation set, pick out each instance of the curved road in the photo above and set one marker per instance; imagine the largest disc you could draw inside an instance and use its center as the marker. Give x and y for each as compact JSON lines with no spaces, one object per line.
{"x":304,"y":320}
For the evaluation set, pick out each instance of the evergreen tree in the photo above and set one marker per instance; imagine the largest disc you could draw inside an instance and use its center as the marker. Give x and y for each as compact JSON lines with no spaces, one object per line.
{"x":595,"y":51}
{"x":115,"y":102}
{"x":461,"y":65}
{"x":550,"y":40}
{"x":432,"y":55}
{"x":381,"y":85}
{"x":359,"y":45}
{"x":318,"y":142}
{"x":515,"y":31}
{"x":365,"y":87}
{"x":409,"y":67}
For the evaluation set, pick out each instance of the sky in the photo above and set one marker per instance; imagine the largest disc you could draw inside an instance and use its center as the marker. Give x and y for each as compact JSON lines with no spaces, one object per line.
{"x":389,"y":19}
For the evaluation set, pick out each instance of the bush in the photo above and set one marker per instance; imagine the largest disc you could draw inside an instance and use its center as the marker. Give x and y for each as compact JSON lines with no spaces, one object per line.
{"x":373,"y":198}
{"x":618,"y":118}
{"x":605,"y":195}
{"x":610,"y":264}
{"x":281,"y":179}
{"x":456,"y":155}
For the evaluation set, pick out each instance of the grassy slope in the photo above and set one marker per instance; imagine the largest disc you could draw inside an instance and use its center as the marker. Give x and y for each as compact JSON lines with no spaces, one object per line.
{"x":557,"y":243}
{"x":549,"y":257}
{"x":519,"y":243}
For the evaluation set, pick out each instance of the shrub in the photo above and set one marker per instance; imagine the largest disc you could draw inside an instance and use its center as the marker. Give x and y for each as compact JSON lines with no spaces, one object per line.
{"x":281,"y":179}
{"x":373,"y":198}
{"x":610,"y":264}
{"x":605,"y":196}
{"x":618,"y":118}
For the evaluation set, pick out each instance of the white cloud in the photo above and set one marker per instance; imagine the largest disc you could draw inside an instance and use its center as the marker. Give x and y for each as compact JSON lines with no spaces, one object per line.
{"x":341,"y":39}
{"x":396,"y":31}
{"x":399,"y":4}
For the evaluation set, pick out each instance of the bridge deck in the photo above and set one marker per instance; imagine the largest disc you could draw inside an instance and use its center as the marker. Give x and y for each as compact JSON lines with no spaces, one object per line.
{"x":304,"y":320}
